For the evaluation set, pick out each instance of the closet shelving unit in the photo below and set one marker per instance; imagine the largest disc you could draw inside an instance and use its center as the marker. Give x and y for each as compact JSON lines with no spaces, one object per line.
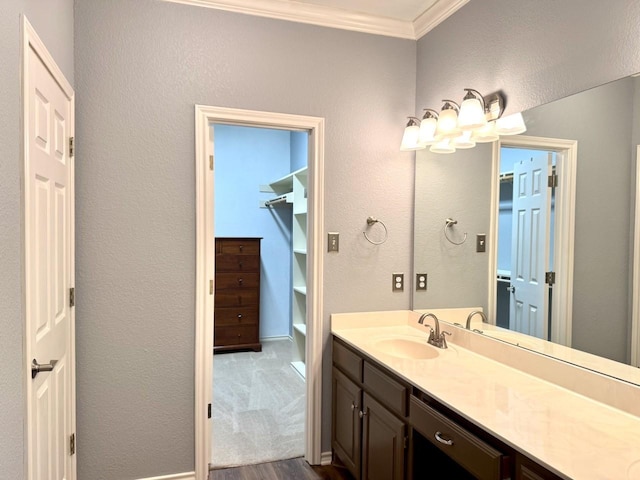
{"x":294,"y":188}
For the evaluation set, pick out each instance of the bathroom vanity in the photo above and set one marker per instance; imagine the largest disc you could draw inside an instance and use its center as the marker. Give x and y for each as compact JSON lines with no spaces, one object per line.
{"x":403,"y":409}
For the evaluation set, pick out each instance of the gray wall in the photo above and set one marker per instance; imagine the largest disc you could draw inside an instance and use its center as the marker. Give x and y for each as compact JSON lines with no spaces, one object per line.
{"x":58,"y":36}
{"x":141,"y":67}
{"x":536,"y":52}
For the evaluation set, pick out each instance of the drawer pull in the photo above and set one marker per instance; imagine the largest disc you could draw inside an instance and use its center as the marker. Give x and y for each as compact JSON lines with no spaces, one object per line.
{"x":240,"y":281}
{"x":442,"y":440}
{"x":240,"y":264}
{"x":239,"y":316}
{"x":353,"y":406}
{"x":241,"y":247}
{"x":361,"y":414}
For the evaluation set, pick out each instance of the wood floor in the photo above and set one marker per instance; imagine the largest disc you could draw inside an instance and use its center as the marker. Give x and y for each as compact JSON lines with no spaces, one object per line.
{"x":294,"y":469}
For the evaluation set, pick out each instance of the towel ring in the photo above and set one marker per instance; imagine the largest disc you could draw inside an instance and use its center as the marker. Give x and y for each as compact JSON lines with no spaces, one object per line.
{"x":371,"y":221}
{"x":447,"y":224}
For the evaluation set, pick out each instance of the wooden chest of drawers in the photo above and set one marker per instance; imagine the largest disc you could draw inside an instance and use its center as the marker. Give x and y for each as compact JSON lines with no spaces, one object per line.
{"x":237,"y":295}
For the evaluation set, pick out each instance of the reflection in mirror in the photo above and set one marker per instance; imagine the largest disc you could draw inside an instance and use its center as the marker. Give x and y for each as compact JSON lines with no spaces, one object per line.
{"x":597,"y":293}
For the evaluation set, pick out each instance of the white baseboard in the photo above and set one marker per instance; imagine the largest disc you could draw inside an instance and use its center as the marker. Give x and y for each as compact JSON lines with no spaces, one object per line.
{"x":274,"y":339}
{"x":177,"y":476}
{"x":325,"y":458}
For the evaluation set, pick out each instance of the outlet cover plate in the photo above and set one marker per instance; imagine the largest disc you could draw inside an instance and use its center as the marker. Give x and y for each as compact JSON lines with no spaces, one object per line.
{"x":397,"y":280}
{"x":421,"y":282}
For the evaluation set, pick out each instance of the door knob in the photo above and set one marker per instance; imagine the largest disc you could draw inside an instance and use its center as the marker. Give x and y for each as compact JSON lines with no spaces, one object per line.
{"x":511,"y":288}
{"x":36,"y":367}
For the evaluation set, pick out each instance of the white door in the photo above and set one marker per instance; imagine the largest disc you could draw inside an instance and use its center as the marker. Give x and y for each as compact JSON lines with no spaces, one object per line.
{"x":49,"y":260}
{"x":530,"y":248}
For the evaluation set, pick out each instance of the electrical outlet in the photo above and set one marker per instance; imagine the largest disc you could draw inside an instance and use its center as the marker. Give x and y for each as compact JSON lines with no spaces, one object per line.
{"x":398,"y":282}
{"x":334,"y":242}
{"x":421,"y":282}
{"x":481,"y":243}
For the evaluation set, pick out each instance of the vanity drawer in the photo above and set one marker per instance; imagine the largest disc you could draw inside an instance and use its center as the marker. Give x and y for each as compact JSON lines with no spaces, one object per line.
{"x":347,"y":361}
{"x":387,"y":390}
{"x":479,"y":458}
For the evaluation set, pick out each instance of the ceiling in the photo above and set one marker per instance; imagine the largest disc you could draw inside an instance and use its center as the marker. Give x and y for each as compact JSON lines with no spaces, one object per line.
{"x":395,"y":18}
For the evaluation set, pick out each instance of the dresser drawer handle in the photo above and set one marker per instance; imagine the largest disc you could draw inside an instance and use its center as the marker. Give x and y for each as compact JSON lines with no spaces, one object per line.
{"x":239,"y":316}
{"x":240,"y":281}
{"x":240,"y":264}
{"x":442,"y":440}
{"x":239,"y":335}
{"x":241,"y":247}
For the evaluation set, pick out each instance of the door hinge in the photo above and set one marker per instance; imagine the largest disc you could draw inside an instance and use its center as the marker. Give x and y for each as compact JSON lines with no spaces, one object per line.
{"x":550,"y":278}
{"x":210,"y":162}
{"x":72,"y":444}
{"x":553,"y":180}
{"x":72,"y":297}
{"x":71,"y":146}
{"x":210,"y":287}
{"x":209,"y":411}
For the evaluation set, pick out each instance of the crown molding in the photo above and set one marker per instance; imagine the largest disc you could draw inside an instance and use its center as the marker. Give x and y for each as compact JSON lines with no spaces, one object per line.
{"x":336,"y":18}
{"x":437,"y":14}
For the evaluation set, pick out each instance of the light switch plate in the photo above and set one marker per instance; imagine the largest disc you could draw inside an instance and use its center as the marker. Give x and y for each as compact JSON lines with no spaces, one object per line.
{"x":421,"y":282}
{"x":481,"y":242}
{"x":397,"y":280}
{"x":333,"y":242}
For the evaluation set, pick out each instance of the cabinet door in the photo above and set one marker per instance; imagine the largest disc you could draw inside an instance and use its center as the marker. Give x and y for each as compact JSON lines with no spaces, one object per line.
{"x":384,"y":441}
{"x":347,"y":427}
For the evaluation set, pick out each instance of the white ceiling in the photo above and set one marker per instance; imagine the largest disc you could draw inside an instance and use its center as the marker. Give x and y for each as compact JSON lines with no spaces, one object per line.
{"x":395,"y":18}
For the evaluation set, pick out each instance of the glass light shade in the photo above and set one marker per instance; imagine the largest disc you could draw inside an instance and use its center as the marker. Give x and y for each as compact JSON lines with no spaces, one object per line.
{"x":427,"y":131}
{"x":448,"y":124}
{"x":464,"y":141}
{"x":485,"y":134}
{"x":410,"y":139}
{"x":443,"y":146}
{"x":511,"y":125}
{"x":471,"y":115}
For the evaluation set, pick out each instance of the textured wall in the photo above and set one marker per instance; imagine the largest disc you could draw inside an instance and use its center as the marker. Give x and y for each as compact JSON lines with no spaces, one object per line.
{"x":58,"y":36}
{"x":245,"y":159}
{"x":141,"y":67}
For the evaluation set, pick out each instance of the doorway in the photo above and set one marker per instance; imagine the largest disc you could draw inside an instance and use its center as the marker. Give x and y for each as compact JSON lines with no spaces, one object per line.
{"x":554,"y":246}
{"x":205,"y":116}
{"x":260,"y":225}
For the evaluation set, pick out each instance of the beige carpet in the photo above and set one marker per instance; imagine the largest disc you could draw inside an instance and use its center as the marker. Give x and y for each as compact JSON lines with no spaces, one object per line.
{"x":258,"y":406}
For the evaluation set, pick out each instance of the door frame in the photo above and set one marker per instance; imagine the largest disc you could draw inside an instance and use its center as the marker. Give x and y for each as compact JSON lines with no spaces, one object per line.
{"x":635,"y":284}
{"x":30,"y":39}
{"x":564,"y":228}
{"x":205,"y":116}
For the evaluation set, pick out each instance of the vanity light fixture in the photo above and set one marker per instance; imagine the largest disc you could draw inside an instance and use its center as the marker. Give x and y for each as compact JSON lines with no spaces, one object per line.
{"x":472,"y":111}
{"x":410,"y":137}
{"x":477,"y":120}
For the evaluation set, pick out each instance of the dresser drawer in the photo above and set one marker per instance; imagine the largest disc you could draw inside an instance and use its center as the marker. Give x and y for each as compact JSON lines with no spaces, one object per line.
{"x":237,"y":263}
{"x":347,"y":361}
{"x":234,"y":335}
{"x":479,"y":458}
{"x":387,"y":390}
{"x":236,"y":298}
{"x":237,"y":246}
{"x":225,"y":281}
{"x":237,"y":316}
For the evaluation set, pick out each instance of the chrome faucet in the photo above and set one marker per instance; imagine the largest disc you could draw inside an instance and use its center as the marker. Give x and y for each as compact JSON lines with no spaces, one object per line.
{"x":436,"y":338}
{"x":476,"y":312}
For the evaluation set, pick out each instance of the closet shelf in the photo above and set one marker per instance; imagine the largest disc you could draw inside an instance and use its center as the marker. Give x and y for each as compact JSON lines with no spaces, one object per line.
{"x":300,"y":327}
{"x":302,"y":290}
{"x":300,"y":251}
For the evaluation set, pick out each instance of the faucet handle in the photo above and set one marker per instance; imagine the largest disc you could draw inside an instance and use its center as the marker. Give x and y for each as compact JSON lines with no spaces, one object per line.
{"x":444,"y":339}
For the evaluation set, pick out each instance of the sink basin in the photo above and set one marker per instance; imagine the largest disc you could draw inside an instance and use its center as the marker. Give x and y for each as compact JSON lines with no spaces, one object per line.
{"x":406,"y":347}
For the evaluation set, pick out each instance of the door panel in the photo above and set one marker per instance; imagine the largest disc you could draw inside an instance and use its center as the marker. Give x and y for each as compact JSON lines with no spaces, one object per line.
{"x":530,"y":247}
{"x":48,"y":177}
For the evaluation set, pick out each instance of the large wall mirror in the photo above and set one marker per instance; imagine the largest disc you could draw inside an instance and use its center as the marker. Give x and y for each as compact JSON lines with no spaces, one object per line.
{"x":590,"y":141}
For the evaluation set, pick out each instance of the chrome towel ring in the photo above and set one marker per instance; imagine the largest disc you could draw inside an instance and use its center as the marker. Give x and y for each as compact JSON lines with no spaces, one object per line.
{"x":448,"y":223}
{"x":371,"y":221}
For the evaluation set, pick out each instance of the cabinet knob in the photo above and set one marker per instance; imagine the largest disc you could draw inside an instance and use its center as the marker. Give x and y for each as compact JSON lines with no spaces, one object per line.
{"x":239,"y":335}
{"x":361,"y":414}
{"x":240,"y":264}
{"x":353,"y":406}
{"x":241,"y":247}
{"x":239,"y":315}
{"x":240,"y":281}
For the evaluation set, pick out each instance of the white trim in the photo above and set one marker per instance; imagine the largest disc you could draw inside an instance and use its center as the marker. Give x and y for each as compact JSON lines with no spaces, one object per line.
{"x":635,"y":285}
{"x":562,"y":307}
{"x":177,"y":476}
{"x":205,"y":116}
{"x":30,"y":39}
{"x":336,"y":17}
{"x":437,"y":14}
{"x":326,"y":458}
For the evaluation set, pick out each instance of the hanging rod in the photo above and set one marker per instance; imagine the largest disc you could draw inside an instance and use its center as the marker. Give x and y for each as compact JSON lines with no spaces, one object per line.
{"x":286,"y":198}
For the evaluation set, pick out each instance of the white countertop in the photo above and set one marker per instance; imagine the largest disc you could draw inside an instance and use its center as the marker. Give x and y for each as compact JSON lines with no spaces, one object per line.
{"x":572,"y":435}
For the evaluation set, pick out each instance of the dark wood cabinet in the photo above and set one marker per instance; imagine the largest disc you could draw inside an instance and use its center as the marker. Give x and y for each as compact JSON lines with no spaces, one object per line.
{"x":526,"y":469}
{"x":383,"y":442}
{"x":368,"y":431}
{"x":237,"y":295}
